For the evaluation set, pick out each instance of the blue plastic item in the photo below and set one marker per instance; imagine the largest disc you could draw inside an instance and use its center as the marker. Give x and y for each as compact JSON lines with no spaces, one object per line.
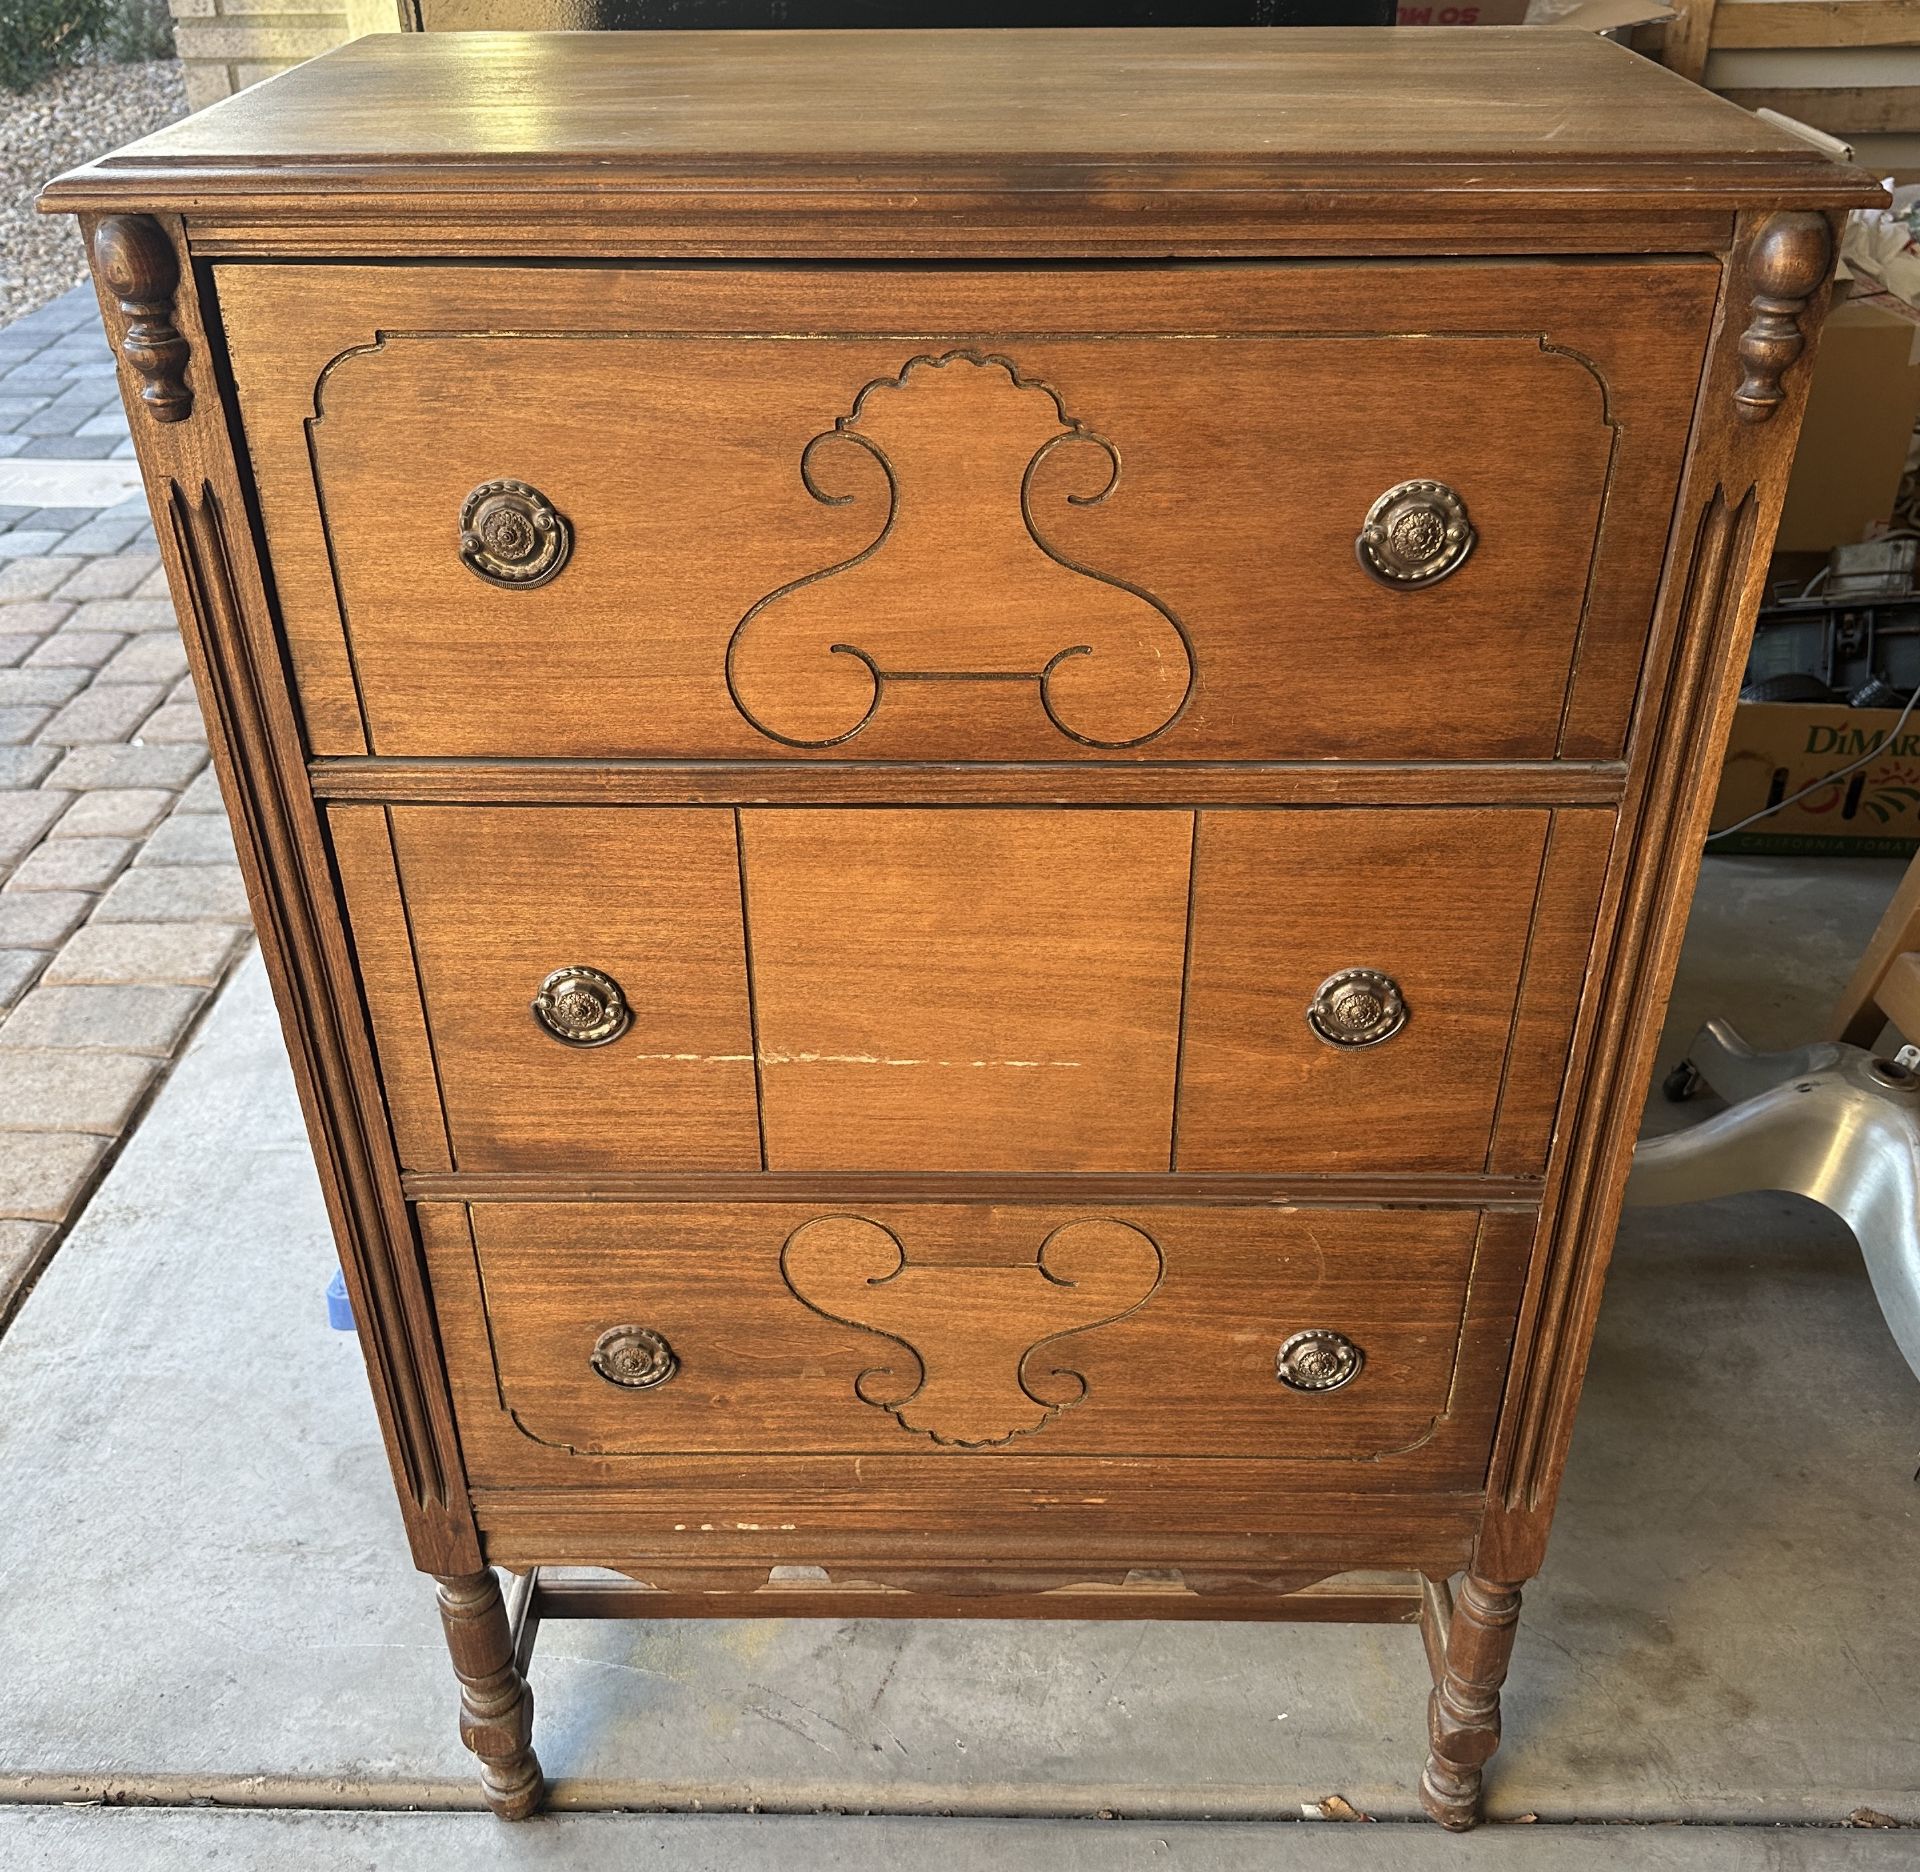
{"x":339,"y":1307}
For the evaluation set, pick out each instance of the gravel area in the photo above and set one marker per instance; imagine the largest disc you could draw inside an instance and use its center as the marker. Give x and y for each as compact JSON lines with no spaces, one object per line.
{"x":71,"y":117}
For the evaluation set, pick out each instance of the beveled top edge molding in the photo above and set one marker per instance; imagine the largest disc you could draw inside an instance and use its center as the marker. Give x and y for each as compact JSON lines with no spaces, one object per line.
{"x":1012,"y":113}
{"x":941,"y":134}
{"x":955,"y":196}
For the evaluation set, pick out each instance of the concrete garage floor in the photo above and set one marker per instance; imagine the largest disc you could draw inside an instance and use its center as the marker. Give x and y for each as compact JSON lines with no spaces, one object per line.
{"x":208,"y":1599}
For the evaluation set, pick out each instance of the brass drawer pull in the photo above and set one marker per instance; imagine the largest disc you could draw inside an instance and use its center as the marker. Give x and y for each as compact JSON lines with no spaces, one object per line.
{"x":1357,"y":1007}
{"x":636,"y":1357}
{"x":1415,"y":534}
{"x":512,"y":535}
{"x":582,"y":1007}
{"x":1318,"y":1360}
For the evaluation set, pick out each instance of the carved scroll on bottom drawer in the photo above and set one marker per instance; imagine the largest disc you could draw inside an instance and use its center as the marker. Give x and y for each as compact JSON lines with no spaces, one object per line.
{"x":1355,"y":1344}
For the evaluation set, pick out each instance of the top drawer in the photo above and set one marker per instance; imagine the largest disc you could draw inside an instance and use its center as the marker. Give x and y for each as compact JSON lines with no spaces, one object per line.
{"x":1019,"y":515}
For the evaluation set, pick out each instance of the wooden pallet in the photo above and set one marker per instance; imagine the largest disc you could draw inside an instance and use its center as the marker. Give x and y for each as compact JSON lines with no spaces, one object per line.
{"x":1707,"y":26}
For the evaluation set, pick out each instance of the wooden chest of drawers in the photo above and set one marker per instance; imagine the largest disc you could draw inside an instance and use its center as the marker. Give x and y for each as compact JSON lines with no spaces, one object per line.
{"x":970,"y":764}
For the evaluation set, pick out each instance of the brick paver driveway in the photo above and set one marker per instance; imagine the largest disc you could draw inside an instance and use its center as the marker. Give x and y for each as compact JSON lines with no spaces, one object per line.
{"x":120,"y":903}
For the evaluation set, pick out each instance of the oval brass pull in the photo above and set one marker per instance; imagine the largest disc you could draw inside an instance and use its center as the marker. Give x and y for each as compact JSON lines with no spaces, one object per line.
{"x":512,"y":535}
{"x":636,"y":1357}
{"x":1357,"y":1007}
{"x":1318,"y":1359}
{"x":1415,"y":533}
{"x":582,"y":1007}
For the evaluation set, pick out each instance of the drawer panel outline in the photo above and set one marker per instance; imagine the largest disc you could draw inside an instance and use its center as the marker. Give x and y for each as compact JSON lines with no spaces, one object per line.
{"x":1182,"y":1370}
{"x":1201,"y":378}
{"x":1110,"y":991}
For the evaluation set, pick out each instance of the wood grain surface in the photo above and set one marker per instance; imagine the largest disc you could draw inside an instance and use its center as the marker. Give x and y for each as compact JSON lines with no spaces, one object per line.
{"x":382,"y":933}
{"x":1234,"y":427}
{"x":739,"y":587}
{"x":1364,"y":1597}
{"x":1502,"y":111}
{"x":1442,"y":902}
{"x":500,"y":899}
{"x":957,"y":783}
{"x":972,"y":990}
{"x":967,"y":990}
{"x":980,"y":1358}
{"x":1559,"y":948}
{"x":1716,"y":568}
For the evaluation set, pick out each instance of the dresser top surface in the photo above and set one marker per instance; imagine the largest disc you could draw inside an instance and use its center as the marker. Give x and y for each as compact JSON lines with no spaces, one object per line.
{"x":1519,"y":108}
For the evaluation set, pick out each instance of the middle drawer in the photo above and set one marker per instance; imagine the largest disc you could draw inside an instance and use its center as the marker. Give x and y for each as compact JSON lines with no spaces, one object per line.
{"x":1274,"y":991}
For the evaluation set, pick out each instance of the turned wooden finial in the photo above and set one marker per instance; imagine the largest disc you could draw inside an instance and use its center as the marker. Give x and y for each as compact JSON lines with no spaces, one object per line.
{"x":1785,"y":265}
{"x":137,"y":265}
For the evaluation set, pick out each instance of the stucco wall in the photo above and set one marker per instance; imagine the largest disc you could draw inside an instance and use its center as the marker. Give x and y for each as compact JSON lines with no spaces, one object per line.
{"x":226,"y":45}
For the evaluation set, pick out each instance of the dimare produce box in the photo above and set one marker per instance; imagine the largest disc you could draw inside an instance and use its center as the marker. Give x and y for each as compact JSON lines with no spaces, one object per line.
{"x":1778,"y":747}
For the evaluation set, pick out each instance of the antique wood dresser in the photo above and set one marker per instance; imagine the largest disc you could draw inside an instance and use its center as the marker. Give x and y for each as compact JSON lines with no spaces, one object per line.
{"x":970,"y":764}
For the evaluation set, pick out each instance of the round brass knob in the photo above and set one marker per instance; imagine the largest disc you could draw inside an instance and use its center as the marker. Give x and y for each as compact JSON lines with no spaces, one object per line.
{"x":512,"y":535}
{"x":1415,"y":534}
{"x":634,"y":1356}
{"x":582,"y":1007}
{"x":1357,"y":1007}
{"x":1318,"y":1360}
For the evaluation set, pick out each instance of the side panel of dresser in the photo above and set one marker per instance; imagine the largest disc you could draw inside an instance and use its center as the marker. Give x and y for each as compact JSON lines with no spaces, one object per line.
{"x":181,"y":414}
{"x":1774,"y":295}
{"x":1774,"y":292}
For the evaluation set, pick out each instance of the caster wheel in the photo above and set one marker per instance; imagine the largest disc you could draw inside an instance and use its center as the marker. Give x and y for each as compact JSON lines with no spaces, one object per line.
{"x":1681,"y":1084}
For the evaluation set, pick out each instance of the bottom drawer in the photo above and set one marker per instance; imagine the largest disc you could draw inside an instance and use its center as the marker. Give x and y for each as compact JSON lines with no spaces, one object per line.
{"x":612,"y":1343}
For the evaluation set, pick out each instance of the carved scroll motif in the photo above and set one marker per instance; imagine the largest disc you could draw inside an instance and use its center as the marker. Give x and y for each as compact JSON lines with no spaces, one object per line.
{"x":1786,"y":264}
{"x":975,"y":1370}
{"x":137,"y":265}
{"x":960,"y":583}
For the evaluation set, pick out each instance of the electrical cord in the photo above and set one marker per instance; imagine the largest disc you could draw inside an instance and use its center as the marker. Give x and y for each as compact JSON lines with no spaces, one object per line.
{"x":1814,"y":786}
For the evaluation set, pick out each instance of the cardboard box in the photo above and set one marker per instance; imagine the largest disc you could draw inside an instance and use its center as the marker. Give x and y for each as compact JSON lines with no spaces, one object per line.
{"x":1585,"y":15}
{"x":1778,"y":747}
{"x":1861,"y":409}
{"x":1462,"y":13}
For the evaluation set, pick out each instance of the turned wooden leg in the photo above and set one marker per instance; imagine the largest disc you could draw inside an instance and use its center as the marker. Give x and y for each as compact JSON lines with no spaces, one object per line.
{"x":496,"y":1707}
{"x":1463,"y":1714}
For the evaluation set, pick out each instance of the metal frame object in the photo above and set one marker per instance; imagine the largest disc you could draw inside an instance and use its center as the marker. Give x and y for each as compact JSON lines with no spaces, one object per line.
{"x":1829,"y":1121}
